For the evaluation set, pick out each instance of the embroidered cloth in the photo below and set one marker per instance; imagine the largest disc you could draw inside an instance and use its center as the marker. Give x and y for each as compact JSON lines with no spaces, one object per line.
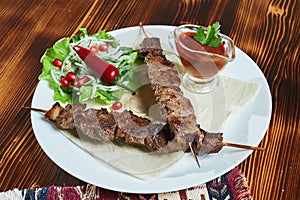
{"x":232,"y":185}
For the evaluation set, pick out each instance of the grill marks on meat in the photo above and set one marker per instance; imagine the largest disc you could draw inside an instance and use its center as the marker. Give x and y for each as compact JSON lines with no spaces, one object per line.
{"x":62,"y":116}
{"x":174,"y":103}
{"x":165,"y":82}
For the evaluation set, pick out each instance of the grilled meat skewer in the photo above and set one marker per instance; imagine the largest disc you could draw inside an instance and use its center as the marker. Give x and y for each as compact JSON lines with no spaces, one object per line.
{"x":105,"y":126}
{"x":175,"y":107}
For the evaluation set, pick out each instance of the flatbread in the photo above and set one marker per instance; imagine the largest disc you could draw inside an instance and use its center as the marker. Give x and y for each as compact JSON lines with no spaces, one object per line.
{"x":211,"y":109}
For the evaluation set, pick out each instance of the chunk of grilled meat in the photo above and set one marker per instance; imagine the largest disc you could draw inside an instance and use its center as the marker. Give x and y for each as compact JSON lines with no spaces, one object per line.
{"x":178,"y":110}
{"x":105,"y":126}
{"x":62,"y":116}
{"x":96,"y":124}
{"x":139,"y":131}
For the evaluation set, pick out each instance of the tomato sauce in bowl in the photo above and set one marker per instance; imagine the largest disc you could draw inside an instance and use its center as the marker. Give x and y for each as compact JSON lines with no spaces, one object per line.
{"x":201,"y":61}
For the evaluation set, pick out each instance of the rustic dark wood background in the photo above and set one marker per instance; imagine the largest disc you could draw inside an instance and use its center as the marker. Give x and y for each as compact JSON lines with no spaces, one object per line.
{"x":268,"y":31}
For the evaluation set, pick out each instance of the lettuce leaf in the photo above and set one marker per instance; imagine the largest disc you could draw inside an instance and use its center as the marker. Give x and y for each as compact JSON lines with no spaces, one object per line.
{"x":100,"y":35}
{"x":100,"y":97}
{"x":59,"y":95}
{"x":60,"y":50}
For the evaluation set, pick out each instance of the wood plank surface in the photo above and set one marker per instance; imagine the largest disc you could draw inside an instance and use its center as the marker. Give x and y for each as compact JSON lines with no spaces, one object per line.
{"x":268,"y":31}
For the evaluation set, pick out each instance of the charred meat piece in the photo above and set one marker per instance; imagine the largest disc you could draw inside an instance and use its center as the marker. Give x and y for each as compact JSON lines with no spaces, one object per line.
{"x":151,"y":45}
{"x":62,"y":116}
{"x":174,"y":103}
{"x":212,"y":143}
{"x":96,"y":124}
{"x":159,"y":138}
{"x":131,"y":128}
{"x":180,"y":127}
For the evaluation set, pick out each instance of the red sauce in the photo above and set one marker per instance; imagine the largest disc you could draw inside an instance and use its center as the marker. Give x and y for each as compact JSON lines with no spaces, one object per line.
{"x":200,"y":65}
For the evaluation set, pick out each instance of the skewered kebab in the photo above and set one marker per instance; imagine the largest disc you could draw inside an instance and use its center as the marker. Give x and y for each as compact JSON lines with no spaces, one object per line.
{"x":105,"y":126}
{"x":97,"y":125}
{"x":175,"y":107}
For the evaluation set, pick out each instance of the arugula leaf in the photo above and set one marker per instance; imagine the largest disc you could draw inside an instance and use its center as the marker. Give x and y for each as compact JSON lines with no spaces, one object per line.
{"x":210,"y":38}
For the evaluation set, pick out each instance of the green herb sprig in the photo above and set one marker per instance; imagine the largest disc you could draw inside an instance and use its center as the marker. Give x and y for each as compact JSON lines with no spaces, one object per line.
{"x":210,"y":38}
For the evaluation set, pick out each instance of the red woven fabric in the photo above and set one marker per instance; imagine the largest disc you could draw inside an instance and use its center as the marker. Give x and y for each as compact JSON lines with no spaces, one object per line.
{"x":232,"y":185}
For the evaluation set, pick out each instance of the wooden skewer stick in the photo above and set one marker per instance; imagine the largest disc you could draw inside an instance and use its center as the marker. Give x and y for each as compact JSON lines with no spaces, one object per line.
{"x":194,"y":154}
{"x":35,"y":109}
{"x":241,"y":146}
{"x":142,"y":28}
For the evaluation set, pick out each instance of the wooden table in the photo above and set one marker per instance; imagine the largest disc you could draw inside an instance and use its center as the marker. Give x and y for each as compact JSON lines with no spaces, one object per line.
{"x":268,"y":31}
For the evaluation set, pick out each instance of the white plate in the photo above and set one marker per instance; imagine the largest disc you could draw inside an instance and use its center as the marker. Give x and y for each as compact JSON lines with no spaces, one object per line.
{"x":183,"y":174}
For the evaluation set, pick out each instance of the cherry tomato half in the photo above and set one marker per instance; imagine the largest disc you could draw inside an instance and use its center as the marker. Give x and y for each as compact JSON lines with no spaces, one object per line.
{"x":57,"y":63}
{"x":64,"y":82}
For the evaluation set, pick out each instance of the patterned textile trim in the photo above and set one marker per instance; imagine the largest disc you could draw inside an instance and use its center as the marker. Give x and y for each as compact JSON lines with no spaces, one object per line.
{"x":230,"y":186}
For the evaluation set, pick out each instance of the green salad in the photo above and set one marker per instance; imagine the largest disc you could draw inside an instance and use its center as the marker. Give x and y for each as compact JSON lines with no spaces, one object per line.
{"x":71,"y":78}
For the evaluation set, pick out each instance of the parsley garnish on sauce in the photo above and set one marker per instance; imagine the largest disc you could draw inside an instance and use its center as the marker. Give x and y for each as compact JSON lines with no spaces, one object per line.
{"x":210,"y":38}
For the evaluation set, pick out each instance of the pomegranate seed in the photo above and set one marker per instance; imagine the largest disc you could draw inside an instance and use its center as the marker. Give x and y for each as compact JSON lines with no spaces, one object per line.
{"x":103,"y":47}
{"x":71,"y":76}
{"x":64,"y":82}
{"x":83,"y":80}
{"x":76,"y":83}
{"x":94,"y":49}
{"x":57,"y":62}
{"x":116,"y":105}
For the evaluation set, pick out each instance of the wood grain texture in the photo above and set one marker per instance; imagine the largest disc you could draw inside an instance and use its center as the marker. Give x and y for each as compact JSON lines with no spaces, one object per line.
{"x":268,"y":31}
